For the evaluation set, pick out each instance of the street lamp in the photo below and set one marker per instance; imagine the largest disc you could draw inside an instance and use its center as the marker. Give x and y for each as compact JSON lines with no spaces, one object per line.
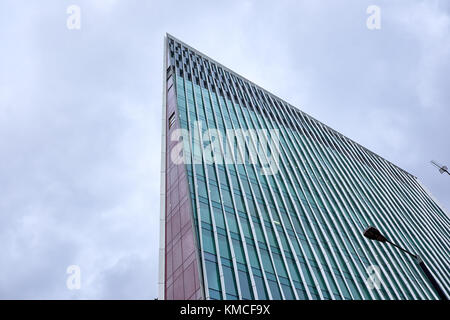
{"x":441,"y":168}
{"x":373,"y":233}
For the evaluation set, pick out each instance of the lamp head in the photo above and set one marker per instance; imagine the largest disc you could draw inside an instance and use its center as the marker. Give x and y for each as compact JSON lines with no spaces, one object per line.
{"x":373,"y":233}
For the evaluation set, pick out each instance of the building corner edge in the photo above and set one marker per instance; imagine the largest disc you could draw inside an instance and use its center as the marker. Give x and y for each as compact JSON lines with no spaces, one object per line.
{"x":162,"y":217}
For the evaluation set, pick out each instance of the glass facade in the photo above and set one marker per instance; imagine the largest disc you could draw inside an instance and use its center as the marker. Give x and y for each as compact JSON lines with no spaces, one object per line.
{"x":285,"y":221}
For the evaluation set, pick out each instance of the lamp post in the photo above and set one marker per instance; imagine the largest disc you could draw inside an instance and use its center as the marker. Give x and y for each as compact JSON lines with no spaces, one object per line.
{"x":373,"y":233}
{"x":441,"y":168}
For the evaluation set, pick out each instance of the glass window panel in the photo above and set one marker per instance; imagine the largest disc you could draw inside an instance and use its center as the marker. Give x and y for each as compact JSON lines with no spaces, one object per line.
{"x":208,"y":241}
{"x":274,"y":290}
{"x":212,"y":273}
{"x":229,"y":279}
{"x":244,"y":283}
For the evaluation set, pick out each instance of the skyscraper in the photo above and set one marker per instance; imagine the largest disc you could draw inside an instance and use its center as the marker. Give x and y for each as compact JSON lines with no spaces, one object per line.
{"x":261,"y":201}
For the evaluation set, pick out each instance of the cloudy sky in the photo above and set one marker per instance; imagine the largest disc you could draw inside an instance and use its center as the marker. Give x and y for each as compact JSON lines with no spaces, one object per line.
{"x":80,"y":115}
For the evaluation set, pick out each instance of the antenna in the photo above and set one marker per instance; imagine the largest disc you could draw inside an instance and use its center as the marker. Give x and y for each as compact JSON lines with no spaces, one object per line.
{"x":441,"y":168}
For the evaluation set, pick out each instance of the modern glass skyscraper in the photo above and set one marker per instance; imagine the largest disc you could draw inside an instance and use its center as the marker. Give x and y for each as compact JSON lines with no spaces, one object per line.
{"x":261,"y":201}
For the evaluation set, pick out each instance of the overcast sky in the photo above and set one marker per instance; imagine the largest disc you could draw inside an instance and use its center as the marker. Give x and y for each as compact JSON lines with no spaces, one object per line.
{"x":80,"y":115}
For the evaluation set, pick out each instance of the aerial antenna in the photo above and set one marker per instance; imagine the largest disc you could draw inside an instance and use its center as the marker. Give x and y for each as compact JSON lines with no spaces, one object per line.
{"x":441,"y":168}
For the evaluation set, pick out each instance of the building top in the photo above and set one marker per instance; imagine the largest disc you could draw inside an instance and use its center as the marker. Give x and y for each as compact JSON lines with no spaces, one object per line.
{"x":294,"y":109}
